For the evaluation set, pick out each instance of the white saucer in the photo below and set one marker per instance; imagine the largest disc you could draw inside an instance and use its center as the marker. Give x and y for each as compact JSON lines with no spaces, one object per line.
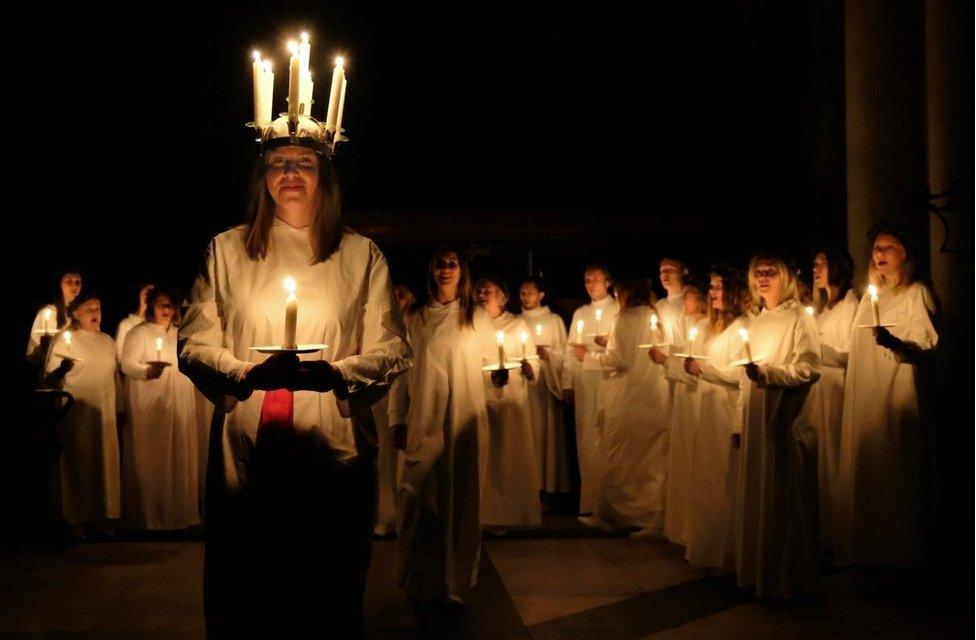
{"x":302,"y":348}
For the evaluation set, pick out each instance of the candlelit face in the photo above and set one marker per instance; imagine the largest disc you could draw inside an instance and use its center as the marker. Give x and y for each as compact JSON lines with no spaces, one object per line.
{"x":820,"y":271}
{"x":672,"y":276}
{"x":70,"y":287}
{"x":447,"y":272}
{"x":888,"y":255}
{"x":769,"y":282}
{"x":596,"y":283}
{"x":89,"y":315}
{"x":530,"y":296}
{"x":715,"y":290}
{"x":292,"y":176}
{"x":163,"y":310}
{"x":491,"y":298}
{"x":694,"y":302}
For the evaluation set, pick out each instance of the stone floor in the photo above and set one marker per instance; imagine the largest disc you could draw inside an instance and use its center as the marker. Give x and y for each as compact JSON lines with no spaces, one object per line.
{"x":554,"y":584}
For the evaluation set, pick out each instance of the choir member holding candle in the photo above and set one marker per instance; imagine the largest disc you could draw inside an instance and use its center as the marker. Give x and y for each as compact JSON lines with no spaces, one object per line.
{"x":88,"y":483}
{"x":683,"y":417}
{"x":438,"y":415}
{"x":713,"y":473}
{"x":834,"y":307}
{"x":671,"y":309}
{"x":632,"y":420}
{"x":159,"y":441}
{"x":510,"y":488}
{"x":776,"y":495}
{"x":545,"y":398}
{"x":291,"y":493}
{"x":53,"y":317}
{"x":881,"y":511}
{"x":581,"y":387}
{"x":132,"y":320}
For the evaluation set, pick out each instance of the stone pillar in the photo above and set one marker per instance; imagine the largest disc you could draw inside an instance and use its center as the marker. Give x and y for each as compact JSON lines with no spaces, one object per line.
{"x":883,"y":82}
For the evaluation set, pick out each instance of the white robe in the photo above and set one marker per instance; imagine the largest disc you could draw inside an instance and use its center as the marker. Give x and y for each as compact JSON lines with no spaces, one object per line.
{"x":714,"y":469}
{"x":89,"y":483}
{"x":510,"y":489}
{"x":387,"y":467}
{"x":827,"y":404}
{"x":632,"y":423}
{"x":34,"y":353}
{"x":585,"y":385}
{"x":345,"y":302}
{"x":776,"y":497}
{"x":442,"y":402}
{"x":546,"y":401}
{"x":671,"y":317}
{"x":881,"y":500}
{"x":161,"y":464}
{"x":682,"y":421}
{"x":126,"y":325}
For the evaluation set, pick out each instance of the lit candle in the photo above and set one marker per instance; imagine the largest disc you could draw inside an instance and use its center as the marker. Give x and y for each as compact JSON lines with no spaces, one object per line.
{"x":810,"y":311}
{"x":538,"y":331}
{"x":257,"y":74}
{"x":658,"y":333}
{"x":342,"y":105}
{"x":873,"y":292}
{"x":291,"y":314}
{"x":523,"y":338}
{"x":304,"y":53}
{"x":579,"y":331}
{"x":159,"y":349}
{"x":335,"y":95}
{"x":599,"y":316}
{"x":67,"y":342}
{"x":692,"y":334}
{"x":267,"y":94}
{"x":294,"y":81}
{"x":500,"y":337}
{"x":47,"y":319}
{"x":745,"y":341}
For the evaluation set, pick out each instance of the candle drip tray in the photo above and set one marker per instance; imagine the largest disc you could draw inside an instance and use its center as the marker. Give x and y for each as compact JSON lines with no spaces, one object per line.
{"x":302,"y":348}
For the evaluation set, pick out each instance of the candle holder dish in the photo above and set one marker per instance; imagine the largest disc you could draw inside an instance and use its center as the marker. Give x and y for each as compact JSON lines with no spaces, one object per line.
{"x":299,"y":349}
{"x":497,"y":367}
{"x":872,"y":326}
{"x":161,"y":363}
{"x":743,"y":362}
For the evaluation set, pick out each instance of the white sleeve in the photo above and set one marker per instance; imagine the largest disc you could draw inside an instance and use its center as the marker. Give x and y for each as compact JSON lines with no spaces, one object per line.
{"x":132,"y":354}
{"x":804,"y":366}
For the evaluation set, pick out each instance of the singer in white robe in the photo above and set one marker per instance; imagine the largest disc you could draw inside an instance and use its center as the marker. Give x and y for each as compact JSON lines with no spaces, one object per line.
{"x":632,"y":422}
{"x":159,"y":443}
{"x":582,"y":386}
{"x":546,"y":399}
{"x":52,"y":318}
{"x":882,"y":482}
{"x":132,"y":320}
{"x":88,"y":486}
{"x":776,"y":495}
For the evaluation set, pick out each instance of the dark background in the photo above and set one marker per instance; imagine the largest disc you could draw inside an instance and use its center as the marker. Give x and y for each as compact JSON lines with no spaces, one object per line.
{"x":704,"y":130}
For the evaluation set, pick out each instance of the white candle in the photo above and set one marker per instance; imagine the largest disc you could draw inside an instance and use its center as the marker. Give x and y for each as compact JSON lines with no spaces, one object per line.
{"x":745,"y":342}
{"x":873,"y":292}
{"x":257,"y":74}
{"x":304,"y":53}
{"x":692,"y":334}
{"x":523,"y":338}
{"x":291,"y":314}
{"x":342,"y":105}
{"x":307,"y":86}
{"x":599,"y":316}
{"x":579,"y":332}
{"x":335,"y":94}
{"x":67,"y":342}
{"x":500,"y":337}
{"x":657,"y":331}
{"x":294,"y":81}
{"x":159,"y":349}
{"x":267,"y":94}
{"x":47,"y":319}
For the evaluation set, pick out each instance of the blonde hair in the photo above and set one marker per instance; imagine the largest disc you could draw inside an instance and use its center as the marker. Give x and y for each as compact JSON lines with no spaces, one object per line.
{"x":906,"y":273}
{"x":790,"y":290}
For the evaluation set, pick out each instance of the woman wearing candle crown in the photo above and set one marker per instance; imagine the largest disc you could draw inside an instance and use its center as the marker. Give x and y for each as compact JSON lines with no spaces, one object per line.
{"x":881,"y":512}
{"x":775,"y":522}
{"x":291,"y":491}
{"x":159,"y":441}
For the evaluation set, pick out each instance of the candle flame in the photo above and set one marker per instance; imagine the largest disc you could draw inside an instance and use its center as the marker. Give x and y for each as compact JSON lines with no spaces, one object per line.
{"x":579,"y":326}
{"x":304,"y":36}
{"x":810,"y":310}
{"x":744,"y":334}
{"x":292,"y":47}
{"x":290,"y":285}
{"x":47,"y":313}
{"x":524,"y":337}
{"x":340,"y":61}
{"x":654,"y":321}
{"x":67,"y":338}
{"x":267,"y":66}
{"x":159,"y":343}
{"x":598,"y":314}
{"x":872,"y":291}
{"x":538,"y":329}
{"x":692,"y":334}
{"x":256,"y":55}
{"x":500,"y":337}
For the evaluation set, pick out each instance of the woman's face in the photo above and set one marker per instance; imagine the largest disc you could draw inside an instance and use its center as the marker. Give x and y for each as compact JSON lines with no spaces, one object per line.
{"x":715,"y":289}
{"x":163,"y":310}
{"x":530,"y":296}
{"x":820,"y":271}
{"x":70,"y":287}
{"x":769,"y":282}
{"x":692,"y":302}
{"x":89,"y":315}
{"x":447,"y":271}
{"x":491,"y":297}
{"x":888,"y":255}
{"x":292,"y":176}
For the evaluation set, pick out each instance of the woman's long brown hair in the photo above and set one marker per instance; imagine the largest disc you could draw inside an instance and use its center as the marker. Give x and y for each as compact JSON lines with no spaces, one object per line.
{"x":326,"y":229}
{"x":735,"y":295}
{"x":465,"y":296}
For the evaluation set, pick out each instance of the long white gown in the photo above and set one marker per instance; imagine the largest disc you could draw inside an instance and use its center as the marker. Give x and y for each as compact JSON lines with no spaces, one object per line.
{"x":510,"y":490}
{"x":387,"y":468}
{"x":714,"y":469}
{"x":776,"y":495}
{"x":882,"y":499}
{"x":827,"y":404}
{"x":442,"y":402}
{"x":546,"y":401}
{"x":632,"y":422}
{"x":585,"y":385}
{"x":671,"y":316}
{"x":89,"y":480}
{"x":683,"y":421}
{"x":290,"y":507}
{"x":159,"y":441}
{"x":126,"y":325}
